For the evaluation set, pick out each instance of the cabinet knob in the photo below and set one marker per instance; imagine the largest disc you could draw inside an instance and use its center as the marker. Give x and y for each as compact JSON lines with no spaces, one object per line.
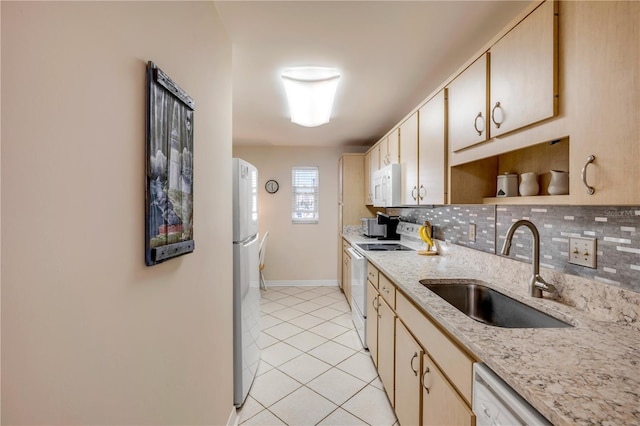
{"x":500,"y":115}
{"x":479,"y":128}
{"x":415,"y":355}
{"x":590,"y":189}
{"x":424,"y":375}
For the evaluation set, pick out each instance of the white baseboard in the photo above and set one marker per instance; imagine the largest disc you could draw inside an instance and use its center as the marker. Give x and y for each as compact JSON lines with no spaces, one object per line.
{"x":234,"y":418}
{"x":301,"y":283}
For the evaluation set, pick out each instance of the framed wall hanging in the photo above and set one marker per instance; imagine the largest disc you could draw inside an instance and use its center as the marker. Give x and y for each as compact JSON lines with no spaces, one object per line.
{"x":169,"y":157}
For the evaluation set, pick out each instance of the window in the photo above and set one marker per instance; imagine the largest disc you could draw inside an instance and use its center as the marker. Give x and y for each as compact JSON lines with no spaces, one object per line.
{"x":304,"y":195}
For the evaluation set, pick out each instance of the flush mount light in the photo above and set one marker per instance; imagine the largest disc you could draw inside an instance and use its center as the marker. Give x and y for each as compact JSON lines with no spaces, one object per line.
{"x":310,"y":92}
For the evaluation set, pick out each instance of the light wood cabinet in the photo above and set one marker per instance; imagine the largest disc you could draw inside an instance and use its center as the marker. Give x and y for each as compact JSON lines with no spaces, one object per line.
{"x":372,"y":321}
{"x":456,"y":364}
{"x":372,"y":274}
{"x":600,"y":121}
{"x":409,"y":159}
{"x":390,"y":148}
{"x":432,"y":151}
{"x":386,"y":347}
{"x":346,"y":275}
{"x":467,"y":106}
{"x":387,"y":290}
{"x":375,"y":162}
{"x":408,"y":374}
{"x":368,"y":195}
{"x":523,"y":72}
{"x":432,"y":390}
{"x":602,"y":76}
{"x":441,"y":405}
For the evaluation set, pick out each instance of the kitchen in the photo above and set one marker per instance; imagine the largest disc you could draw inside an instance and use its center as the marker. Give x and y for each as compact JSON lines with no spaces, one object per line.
{"x":98,"y":320}
{"x":556,"y":216}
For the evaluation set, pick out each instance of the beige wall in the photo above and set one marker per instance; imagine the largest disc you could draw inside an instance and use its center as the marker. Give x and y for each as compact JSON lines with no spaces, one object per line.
{"x":90,"y":335}
{"x":297,"y":252}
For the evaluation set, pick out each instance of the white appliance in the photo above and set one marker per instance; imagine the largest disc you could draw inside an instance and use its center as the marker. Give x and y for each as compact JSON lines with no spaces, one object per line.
{"x":496,"y":404}
{"x":359,"y":293}
{"x":246,"y":279}
{"x":387,"y":189}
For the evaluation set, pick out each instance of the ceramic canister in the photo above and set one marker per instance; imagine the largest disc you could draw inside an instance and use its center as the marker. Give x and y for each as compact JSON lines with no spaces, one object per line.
{"x":559,"y":184}
{"x":507,"y":185}
{"x":529,"y":184}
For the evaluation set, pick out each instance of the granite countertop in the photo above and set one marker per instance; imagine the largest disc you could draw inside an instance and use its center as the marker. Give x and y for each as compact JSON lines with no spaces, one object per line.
{"x":586,"y":374}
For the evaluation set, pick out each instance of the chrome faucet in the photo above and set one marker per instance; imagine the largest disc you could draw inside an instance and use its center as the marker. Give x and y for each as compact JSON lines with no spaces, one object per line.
{"x":536,"y":284}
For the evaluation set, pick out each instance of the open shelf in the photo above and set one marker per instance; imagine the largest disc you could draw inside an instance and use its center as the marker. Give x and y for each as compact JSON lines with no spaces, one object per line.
{"x":476,"y":182}
{"x":536,"y":199}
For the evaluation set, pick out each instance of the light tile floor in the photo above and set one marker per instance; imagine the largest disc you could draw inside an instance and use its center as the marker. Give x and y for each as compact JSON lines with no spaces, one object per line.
{"x":313,"y":370}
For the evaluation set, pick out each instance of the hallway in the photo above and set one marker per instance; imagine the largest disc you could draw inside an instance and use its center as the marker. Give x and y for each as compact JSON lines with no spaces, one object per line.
{"x":313,"y":370}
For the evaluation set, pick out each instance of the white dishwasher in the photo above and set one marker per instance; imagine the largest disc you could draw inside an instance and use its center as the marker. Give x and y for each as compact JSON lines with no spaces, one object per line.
{"x":496,"y":404}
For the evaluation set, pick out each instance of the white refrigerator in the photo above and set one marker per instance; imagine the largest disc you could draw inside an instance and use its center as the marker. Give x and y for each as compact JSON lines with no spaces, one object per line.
{"x":246,"y":285}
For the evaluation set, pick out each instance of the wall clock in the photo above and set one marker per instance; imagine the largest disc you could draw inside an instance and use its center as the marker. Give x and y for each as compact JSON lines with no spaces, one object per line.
{"x":271,"y":186}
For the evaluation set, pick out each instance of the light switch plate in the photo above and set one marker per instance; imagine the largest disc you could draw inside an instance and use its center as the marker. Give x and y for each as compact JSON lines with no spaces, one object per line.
{"x":582,"y":251}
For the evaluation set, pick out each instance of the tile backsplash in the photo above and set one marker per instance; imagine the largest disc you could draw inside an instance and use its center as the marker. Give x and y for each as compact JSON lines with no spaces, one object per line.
{"x":616,"y":229}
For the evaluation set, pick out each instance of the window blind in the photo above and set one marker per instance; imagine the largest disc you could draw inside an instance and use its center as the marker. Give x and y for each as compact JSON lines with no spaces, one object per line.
{"x":304,"y":195}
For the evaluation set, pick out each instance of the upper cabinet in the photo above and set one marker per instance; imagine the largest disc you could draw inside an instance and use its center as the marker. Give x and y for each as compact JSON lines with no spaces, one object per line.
{"x":409,"y":159}
{"x":390,"y":148}
{"x":432,"y":151}
{"x":523,"y":72}
{"x":467,"y":93}
{"x":602,"y":63}
{"x":557,"y":89}
{"x":423,"y":154}
{"x":368,"y":195}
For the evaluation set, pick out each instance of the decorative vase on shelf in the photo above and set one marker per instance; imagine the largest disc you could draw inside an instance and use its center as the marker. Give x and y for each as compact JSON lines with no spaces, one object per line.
{"x":529,"y":184}
{"x":559,"y":184}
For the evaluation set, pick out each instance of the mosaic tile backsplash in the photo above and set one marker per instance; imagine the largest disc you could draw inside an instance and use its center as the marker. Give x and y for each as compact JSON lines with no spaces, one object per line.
{"x":616,"y":230}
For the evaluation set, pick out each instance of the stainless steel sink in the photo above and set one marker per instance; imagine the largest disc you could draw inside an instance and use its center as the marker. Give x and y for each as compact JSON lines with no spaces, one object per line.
{"x":491,"y":307}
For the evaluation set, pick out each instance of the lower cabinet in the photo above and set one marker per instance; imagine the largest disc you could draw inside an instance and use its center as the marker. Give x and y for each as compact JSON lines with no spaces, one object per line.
{"x":441,"y":404}
{"x":408,"y":374}
{"x":346,"y":275}
{"x":426,"y":374}
{"x":386,"y":347}
{"x":372,"y":321}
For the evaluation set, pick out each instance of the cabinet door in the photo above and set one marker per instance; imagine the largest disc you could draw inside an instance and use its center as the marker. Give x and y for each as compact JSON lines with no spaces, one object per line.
{"x":523,"y":72}
{"x":386,"y":345}
{"x":467,"y":106}
{"x":368,"y":196}
{"x":409,"y":160}
{"x":346,"y":277}
{"x":345,"y":271}
{"x":607,"y":124}
{"x":432,"y":152}
{"x":441,"y":405}
{"x":408,"y":374}
{"x":372,"y":321}
{"x":375,"y":162}
{"x":393,"y":147}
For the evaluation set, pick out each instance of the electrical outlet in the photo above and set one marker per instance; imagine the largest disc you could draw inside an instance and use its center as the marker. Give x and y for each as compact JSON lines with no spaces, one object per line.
{"x":582,"y":251}
{"x":472,"y":232}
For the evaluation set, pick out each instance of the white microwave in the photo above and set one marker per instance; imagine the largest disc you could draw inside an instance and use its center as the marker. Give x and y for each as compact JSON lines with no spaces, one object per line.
{"x":387,"y":191}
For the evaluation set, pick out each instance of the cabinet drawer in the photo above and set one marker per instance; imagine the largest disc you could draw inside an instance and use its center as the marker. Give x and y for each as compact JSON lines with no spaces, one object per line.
{"x":387,"y":290}
{"x":345,"y":245}
{"x":453,"y":361}
{"x":372,"y":274}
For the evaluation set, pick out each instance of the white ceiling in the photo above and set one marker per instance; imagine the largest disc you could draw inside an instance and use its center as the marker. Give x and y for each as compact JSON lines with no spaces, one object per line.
{"x":392,"y":55}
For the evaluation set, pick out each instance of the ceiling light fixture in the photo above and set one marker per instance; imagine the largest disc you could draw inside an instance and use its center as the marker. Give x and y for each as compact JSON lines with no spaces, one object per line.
{"x":310,"y":93}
